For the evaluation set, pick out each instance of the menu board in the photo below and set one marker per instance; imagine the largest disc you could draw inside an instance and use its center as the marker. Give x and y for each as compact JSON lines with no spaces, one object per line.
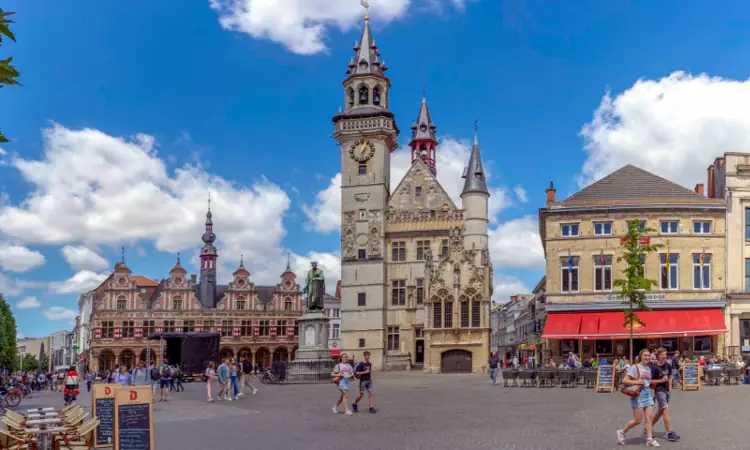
{"x":605,"y":378}
{"x":691,"y":378}
{"x":133,"y":422}
{"x":103,"y":408}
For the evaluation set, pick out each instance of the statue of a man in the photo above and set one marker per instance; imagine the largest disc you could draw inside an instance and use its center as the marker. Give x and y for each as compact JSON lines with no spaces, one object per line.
{"x":315,"y":288}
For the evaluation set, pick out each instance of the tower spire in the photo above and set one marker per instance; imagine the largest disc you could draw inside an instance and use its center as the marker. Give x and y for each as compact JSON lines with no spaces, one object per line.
{"x":366,"y":58}
{"x":474,"y":171}
{"x":424,"y":136}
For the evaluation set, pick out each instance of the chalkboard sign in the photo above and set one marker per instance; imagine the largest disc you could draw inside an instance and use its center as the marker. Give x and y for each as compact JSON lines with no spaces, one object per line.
{"x":691,"y":376}
{"x":605,"y":378}
{"x":103,"y":408}
{"x":133,"y":422}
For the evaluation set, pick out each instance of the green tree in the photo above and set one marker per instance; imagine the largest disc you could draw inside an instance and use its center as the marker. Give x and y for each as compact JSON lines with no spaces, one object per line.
{"x":634,"y":285}
{"x":8,"y":349}
{"x":45,"y":363}
{"x":29,"y":363}
{"x":8,"y":73}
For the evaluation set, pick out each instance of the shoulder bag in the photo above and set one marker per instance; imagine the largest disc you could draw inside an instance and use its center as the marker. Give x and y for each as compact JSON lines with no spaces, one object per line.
{"x":632,"y":390}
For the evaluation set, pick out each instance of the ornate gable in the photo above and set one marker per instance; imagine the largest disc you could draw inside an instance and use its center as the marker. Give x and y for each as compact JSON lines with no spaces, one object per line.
{"x":420,"y":190}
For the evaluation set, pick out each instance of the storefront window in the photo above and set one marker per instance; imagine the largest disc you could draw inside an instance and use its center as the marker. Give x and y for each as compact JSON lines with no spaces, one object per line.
{"x":568,"y":346}
{"x":745,"y":335}
{"x":702,"y":343}
{"x":604,"y":347}
{"x":669,"y":344}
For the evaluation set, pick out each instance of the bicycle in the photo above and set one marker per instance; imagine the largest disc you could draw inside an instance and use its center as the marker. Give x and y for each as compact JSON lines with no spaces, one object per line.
{"x":10,"y":399}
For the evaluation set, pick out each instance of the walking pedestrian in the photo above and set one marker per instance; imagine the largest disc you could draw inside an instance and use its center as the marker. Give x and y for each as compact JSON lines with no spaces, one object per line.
{"x":89,"y":380}
{"x":493,"y":363}
{"x":178,"y":374}
{"x":639,"y":377}
{"x":661,"y":379}
{"x":140,"y":375}
{"x":233,"y":374}
{"x":209,"y":378}
{"x":341,"y":374}
{"x":247,"y":369}
{"x":223,"y":375}
{"x":165,"y":381}
{"x":123,"y":378}
{"x":363,"y":371}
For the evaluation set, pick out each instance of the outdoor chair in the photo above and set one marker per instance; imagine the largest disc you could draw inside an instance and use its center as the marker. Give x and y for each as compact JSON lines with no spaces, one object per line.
{"x":544,"y":378}
{"x":733,"y":374}
{"x":714,"y":377}
{"x":580,"y":376}
{"x":567,"y":378}
{"x":590,"y":378}
{"x":80,"y":438}
{"x":12,"y":441}
{"x":510,"y":376}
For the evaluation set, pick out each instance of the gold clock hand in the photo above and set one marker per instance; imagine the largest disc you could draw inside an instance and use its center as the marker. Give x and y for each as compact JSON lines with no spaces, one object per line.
{"x":362,"y":149}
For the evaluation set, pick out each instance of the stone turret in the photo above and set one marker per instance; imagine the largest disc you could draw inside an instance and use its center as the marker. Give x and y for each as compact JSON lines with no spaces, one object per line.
{"x":475,"y":198}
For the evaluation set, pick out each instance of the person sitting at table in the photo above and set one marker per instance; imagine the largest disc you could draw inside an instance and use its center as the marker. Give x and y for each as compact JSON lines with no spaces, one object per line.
{"x":604,"y":362}
{"x":702,"y":362}
{"x":586,"y":364}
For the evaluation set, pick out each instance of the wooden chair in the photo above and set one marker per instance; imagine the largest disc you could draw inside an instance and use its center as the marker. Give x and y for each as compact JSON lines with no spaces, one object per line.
{"x":18,"y":417}
{"x":76,"y":419}
{"x":82,"y":437}
{"x":72,"y":412}
{"x":10,"y":441}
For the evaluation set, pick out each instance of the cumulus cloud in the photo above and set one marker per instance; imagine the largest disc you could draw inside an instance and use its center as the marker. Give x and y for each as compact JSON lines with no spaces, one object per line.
{"x":79,"y":283}
{"x":505,"y":286}
{"x":77,"y":195}
{"x":329,"y":262}
{"x":58,"y":313}
{"x":325,"y":215}
{"x":17,"y":258}
{"x":521,"y":194}
{"x":517,"y":244}
{"x":29,"y":303}
{"x":83,"y":258}
{"x":302,"y":25}
{"x":673,"y":126}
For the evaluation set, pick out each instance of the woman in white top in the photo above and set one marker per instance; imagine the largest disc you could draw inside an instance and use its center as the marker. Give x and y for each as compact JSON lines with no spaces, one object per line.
{"x":342,"y":373}
{"x":210,"y":375}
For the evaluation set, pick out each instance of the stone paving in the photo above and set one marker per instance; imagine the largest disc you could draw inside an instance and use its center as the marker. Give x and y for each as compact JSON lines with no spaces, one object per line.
{"x":436,"y":412}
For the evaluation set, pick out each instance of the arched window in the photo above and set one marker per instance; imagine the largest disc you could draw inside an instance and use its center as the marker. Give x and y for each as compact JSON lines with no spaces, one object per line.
{"x":350,"y":94}
{"x":376,"y":96}
{"x":288,"y":304}
{"x":122,"y":303}
{"x":364,"y":95}
{"x":241,"y":304}
{"x":177,"y":303}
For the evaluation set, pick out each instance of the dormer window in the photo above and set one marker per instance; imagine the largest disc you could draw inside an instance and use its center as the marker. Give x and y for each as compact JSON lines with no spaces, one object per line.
{"x":376,"y":96}
{"x":418,"y":191}
{"x":364,"y":95}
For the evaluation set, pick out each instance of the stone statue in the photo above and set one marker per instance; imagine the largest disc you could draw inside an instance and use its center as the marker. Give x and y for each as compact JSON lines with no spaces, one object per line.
{"x":315,"y":288}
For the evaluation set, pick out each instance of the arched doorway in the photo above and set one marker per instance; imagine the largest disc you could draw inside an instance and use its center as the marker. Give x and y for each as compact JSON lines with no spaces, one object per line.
{"x":281,"y":354}
{"x":127,"y":359}
{"x":455,"y":361}
{"x":227,"y":353}
{"x":148,"y":360}
{"x":245,"y":353}
{"x":106,"y":360}
{"x":263,"y":357}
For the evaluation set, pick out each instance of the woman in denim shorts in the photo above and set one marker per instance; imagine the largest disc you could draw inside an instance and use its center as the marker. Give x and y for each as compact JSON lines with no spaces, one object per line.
{"x":642,"y":404}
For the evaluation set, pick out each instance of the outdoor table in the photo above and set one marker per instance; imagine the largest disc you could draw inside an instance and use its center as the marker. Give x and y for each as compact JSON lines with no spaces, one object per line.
{"x":43,"y":435}
{"x":43,"y":421}
{"x":40,"y":409}
{"x":46,"y":415}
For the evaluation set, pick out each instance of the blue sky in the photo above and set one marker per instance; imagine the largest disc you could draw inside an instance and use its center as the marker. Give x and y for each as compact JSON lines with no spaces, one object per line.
{"x":130,"y":114}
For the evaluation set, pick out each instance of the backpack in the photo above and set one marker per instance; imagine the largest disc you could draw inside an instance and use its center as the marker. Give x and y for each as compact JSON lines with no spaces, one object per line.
{"x":166,"y":372}
{"x":155,"y":375}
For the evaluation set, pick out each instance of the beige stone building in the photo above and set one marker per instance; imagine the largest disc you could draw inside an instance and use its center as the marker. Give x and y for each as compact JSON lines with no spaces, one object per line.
{"x":729,"y":179}
{"x":416,"y":272}
{"x":581,"y":237}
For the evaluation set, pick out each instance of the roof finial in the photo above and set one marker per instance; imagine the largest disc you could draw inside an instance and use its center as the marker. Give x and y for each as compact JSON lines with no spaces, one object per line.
{"x":424,"y":90}
{"x":367,"y":9}
{"x":476,"y":132}
{"x":288,"y":261}
{"x":209,"y":201}
{"x":178,"y":257}
{"x":123,"y":254}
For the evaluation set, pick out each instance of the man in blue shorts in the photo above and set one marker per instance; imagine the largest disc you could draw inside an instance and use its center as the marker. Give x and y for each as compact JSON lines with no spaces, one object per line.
{"x":661,"y":382}
{"x":363,"y":371}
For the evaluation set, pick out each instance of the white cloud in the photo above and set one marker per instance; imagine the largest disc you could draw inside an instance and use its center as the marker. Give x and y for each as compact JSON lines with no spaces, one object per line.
{"x":83,"y":258}
{"x":3,"y":152}
{"x":325,"y":214}
{"x":59,"y":313}
{"x":302,"y":25}
{"x":17,"y":258}
{"x":29,"y":303}
{"x":521,"y":194}
{"x":79,"y":283}
{"x":674,"y":126}
{"x":329,"y":262}
{"x":505,"y":286}
{"x":77,"y":196}
{"x":9,"y":287}
{"x":517,"y":244}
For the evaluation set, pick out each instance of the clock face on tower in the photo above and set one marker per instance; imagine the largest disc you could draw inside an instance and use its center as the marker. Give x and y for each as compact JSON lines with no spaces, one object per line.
{"x":362,"y":150}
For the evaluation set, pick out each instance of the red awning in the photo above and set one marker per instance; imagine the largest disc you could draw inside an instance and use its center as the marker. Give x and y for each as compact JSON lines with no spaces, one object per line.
{"x":336,"y":352}
{"x":610,"y":324}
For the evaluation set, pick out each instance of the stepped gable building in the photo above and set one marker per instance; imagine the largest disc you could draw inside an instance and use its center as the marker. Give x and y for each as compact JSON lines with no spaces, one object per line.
{"x":258,"y":322}
{"x":582,"y":241}
{"x":416,"y":271}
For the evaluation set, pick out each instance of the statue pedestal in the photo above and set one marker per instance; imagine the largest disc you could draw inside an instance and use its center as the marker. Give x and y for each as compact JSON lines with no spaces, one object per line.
{"x":313,"y":337}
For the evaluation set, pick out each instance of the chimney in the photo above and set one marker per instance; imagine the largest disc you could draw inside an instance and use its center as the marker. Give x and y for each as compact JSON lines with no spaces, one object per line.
{"x":710,"y":181}
{"x":551,"y":193}
{"x":699,"y":188}
{"x":193,"y":278}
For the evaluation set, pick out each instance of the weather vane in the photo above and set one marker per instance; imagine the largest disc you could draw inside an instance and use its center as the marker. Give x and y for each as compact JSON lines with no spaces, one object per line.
{"x":367,"y":9}
{"x":476,"y":126}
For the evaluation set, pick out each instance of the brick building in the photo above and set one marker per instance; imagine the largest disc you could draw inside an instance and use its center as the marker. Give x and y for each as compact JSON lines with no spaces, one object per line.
{"x":258,"y":322}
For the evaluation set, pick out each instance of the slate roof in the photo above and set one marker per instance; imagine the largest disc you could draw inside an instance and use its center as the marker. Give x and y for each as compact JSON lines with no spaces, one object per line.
{"x":474,"y":172}
{"x":631,"y":185}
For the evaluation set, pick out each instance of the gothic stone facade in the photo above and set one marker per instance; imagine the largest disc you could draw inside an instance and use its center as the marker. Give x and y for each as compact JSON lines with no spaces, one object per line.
{"x":416,"y":272}
{"x":258,"y":322}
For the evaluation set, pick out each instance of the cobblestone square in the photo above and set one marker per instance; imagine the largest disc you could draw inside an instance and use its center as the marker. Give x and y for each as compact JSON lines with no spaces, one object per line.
{"x":418,"y":411}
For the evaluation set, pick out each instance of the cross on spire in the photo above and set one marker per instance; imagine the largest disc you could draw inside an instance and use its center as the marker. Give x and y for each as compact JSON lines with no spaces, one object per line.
{"x":288,"y":261}
{"x":367,"y":9}
{"x":209,"y":201}
{"x":123,"y":254}
{"x":178,"y":257}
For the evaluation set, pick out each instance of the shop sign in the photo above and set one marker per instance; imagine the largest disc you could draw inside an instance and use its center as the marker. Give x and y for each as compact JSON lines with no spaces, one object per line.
{"x":648,"y":298}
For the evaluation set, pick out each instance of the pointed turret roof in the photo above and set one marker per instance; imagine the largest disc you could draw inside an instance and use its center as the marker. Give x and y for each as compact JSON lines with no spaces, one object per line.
{"x":178,"y":267}
{"x":288,"y":271}
{"x":474,"y":172}
{"x":241,"y":269}
{"x":423,"y":128}
{"x":366,"y":59}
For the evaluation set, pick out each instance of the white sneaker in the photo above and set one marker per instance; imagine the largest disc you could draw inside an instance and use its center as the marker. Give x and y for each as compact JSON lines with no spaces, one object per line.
{"x":620,"y":437}
{"x":255,"y":391}
{"x":236,"y":397}
{"x":241,"y":394}
{"x":349,"y":413}
{"x":229,"y":399}
{"x":652,"y":443}
{"x":335,"y":410}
